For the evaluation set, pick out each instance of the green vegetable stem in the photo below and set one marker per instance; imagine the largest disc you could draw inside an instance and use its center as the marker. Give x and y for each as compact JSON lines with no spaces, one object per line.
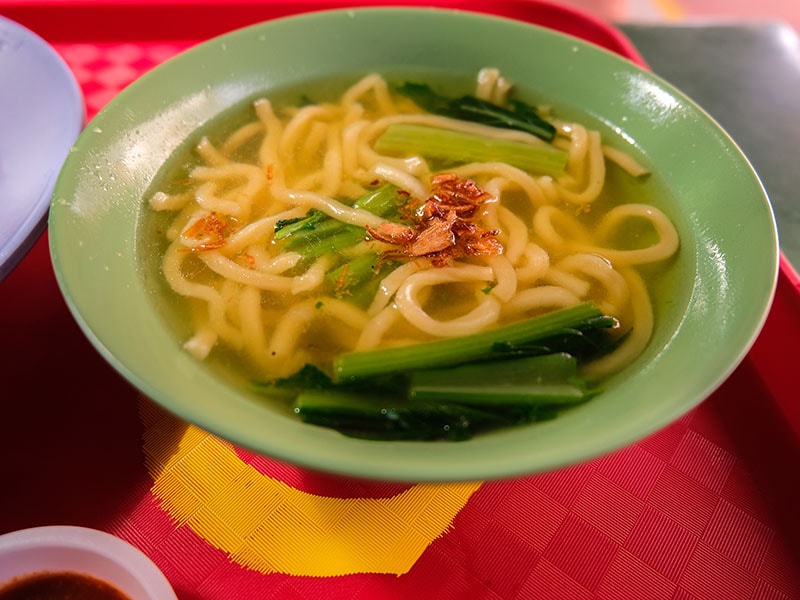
{"x":456,"y":147}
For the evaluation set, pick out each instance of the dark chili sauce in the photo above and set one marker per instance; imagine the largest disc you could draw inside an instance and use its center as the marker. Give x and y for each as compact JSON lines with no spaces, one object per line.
{"x":59,"y":586}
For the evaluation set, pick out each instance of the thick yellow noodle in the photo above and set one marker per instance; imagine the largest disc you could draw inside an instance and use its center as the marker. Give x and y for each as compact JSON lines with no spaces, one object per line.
{"x":250,"y":296}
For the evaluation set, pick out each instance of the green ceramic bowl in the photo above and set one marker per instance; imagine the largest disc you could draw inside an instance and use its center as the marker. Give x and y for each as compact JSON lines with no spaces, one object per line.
{"x":708,"y":314}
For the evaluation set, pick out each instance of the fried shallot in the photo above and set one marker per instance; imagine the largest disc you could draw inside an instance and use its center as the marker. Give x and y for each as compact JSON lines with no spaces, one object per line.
{"x":207,"y":233}
{"x":446,"y":227}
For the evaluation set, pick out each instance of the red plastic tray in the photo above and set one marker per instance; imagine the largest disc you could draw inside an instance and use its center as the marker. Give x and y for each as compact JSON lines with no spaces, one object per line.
{"x":705,"y":509}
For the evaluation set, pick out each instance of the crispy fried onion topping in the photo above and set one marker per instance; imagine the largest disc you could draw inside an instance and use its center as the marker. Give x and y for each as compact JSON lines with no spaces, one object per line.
{"x":206,"y":233}
{"x":447,"y":225}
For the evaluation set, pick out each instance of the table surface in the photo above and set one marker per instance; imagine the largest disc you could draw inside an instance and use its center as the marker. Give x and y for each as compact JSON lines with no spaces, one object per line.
{"x":746,"y":76}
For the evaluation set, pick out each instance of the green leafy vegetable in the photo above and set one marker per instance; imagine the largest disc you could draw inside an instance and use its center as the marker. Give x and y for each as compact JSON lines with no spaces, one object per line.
{"x":454,"y":389}
{"x":453,"y":404}
{"x":317,"y":234}
{"x":518,"y":115}
{"x":358,"y":415}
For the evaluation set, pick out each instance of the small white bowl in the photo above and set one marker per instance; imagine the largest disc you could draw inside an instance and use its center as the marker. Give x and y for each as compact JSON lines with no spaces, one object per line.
{"x":85,"y":551}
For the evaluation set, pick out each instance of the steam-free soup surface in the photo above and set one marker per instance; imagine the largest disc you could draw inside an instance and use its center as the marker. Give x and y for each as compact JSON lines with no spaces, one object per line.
{"x":297,"y":234}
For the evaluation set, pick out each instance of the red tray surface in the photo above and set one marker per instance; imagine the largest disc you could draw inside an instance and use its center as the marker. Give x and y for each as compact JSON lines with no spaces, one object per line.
{"x":704,"y":509}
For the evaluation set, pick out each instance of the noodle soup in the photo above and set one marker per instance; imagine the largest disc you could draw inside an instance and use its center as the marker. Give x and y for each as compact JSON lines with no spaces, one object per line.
{"x":298,"y":230}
